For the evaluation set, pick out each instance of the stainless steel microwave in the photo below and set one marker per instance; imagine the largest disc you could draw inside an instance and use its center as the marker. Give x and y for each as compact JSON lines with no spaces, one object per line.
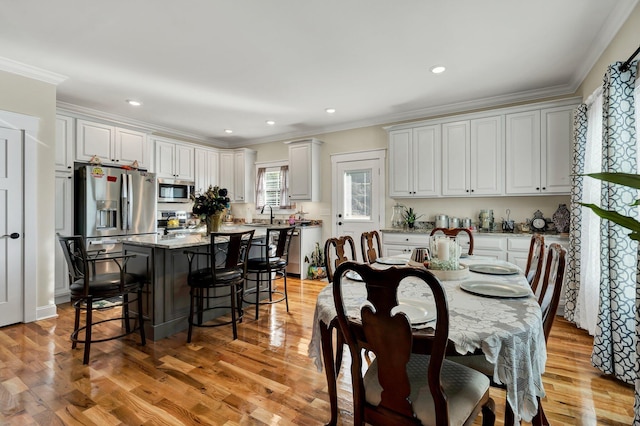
{"x":175,"y":191}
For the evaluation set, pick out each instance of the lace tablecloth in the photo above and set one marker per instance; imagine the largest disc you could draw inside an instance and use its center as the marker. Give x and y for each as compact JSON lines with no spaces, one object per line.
{"x":508,"y":331}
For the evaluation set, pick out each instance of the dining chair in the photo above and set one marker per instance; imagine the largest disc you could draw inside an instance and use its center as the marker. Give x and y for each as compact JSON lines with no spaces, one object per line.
{"x":453,"y":232}
{"x":219,"y":273}
{"x":371,"y":246}
{"x":91,"y":292}
{"x":535,"y":260}
{"x":548,"y":299}
{"x":400,"y":387}
{"x":270,"y":265}
{"x":336,"y":251}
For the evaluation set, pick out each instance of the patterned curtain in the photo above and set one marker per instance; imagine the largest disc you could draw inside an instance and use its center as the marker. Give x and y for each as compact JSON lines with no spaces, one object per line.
{"x":260,"y":197}
{"x":284,"y":187}
{"x":614,"y":349}
{"x":575,"y":225}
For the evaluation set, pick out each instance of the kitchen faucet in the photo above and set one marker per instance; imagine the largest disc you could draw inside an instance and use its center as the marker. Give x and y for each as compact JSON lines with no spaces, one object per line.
{"x":271,"y":215}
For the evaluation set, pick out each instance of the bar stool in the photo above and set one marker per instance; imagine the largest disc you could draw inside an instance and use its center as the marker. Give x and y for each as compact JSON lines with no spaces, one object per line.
{"x":226,"y":268}
{"x":97,"y":292}
{"x":269,"y":266}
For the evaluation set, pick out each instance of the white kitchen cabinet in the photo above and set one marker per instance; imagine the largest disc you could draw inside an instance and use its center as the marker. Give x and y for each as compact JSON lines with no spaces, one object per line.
{"x":394,"y":243}
{"x":304,"y":170}
{"x":414,"y":162}
{"x":174,"y":160}
{"x":302,"y":246}
{"x":207,"y":164}
{"x":64,"y":226}
{"x":237,"y":174}
{"x":64,"y":144}
{"x":538,"y":151}
{"x":490,"y":245}
{"x":110,"y":144}
{"x":472,"y":157}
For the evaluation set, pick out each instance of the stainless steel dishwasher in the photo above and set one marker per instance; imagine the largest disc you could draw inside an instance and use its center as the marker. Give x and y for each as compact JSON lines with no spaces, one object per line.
{"x":294,"y":267}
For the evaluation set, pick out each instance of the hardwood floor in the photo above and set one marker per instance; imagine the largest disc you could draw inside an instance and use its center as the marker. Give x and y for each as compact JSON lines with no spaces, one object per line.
{"x":264,"y":377}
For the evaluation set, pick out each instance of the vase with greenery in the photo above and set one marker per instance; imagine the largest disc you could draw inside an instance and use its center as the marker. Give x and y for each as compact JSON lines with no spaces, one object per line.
{"x":410,"y":217}
{"x":209,"y":206}
{"x":626,"y":179}
{"x":317,"y":268}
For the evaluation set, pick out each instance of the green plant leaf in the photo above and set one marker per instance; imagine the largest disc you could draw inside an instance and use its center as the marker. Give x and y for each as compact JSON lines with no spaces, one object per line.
{"x":620,"y":219}
{"x":631,"y":180}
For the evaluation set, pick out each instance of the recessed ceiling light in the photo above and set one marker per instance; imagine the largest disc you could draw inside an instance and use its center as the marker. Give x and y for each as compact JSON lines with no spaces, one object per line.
{"x":133,"y":102}
{"x":330,"y":110}
{"x":228,"y":131}
{"x":271,"y":122}
{"x":438,"y":69}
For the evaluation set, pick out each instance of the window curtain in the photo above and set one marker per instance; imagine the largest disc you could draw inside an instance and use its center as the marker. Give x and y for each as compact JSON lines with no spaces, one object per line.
{"x":615,"y":343}
{"x":260,"y":197}
{"x":583,"y":276}
{"x":284,"y":186}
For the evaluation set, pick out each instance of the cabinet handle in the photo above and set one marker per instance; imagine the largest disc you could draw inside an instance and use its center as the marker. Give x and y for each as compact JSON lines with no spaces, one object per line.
{"x":544,"y":188}
{"x":473,"y":190}
{"x":537,"y":188}
{"x":467,"y":190}
{"x":69,"y":177}
{"x":68,"y":167}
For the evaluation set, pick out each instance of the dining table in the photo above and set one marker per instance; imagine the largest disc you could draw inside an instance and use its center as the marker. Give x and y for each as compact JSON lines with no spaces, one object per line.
{"x":504,"y":325}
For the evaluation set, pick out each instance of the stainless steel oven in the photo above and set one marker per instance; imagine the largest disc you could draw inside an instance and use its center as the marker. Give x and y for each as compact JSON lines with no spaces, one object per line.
{"x":175,"y":191}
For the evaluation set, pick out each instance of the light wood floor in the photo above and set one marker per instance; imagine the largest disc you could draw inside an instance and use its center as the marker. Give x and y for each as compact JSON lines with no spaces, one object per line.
{"x":264,"y":377}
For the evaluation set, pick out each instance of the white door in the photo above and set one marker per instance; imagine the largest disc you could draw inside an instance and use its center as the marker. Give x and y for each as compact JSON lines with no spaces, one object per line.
{"x":358,"y":204}
{"x":11,"y":303}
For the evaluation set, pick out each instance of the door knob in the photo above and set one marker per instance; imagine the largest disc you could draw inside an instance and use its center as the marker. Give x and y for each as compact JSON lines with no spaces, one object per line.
{"x":339,"y":223}
{"x":13,"y":236}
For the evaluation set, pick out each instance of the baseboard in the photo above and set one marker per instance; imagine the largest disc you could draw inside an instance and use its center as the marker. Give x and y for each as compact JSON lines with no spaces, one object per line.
{"x":44,"y":312}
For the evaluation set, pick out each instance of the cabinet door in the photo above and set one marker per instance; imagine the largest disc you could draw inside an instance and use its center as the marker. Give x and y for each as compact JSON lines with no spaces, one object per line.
{"x":131,"y":146}
{"x":239,"y":176}
{"x":395,"y":250}
{"x":523,"y":153}
{"x":184,"y":162}
{"x":401,"y":163}
{"x":95,"y":139}
{"x":426,"y":161}
{"x":556,"y":139}
{"x":206,"y":168}
{"x":64,"y":143}
{"x":300,"y":171}
{"x":63,"y":225}
{"x":165,"y":152}
{"x":455,"y":158}
{"x":487,"y":156}
{"x":227,"y":172}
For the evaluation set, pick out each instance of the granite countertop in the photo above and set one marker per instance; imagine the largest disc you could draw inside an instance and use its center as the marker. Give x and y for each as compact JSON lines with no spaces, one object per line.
{"x":496,"y":233}
{"x":181,"y":241}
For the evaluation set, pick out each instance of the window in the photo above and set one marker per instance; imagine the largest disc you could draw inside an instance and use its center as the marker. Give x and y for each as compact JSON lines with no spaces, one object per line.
{"x":272,"y":185}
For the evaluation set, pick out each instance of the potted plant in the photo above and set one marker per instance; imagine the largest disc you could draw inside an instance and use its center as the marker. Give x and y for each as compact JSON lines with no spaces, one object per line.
{"x":627,"y":179}
{"x":317,"y":268}
{"x":410,"y":217}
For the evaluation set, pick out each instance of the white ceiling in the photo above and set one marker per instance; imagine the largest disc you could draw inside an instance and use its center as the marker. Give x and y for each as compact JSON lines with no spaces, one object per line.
{"x":203,"y":66}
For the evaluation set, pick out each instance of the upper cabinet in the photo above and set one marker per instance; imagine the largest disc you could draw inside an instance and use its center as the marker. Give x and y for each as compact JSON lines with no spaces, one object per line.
{"x":110,"y":144}
{"x":473,"y":157}
{"x":237,"y":174}
{"x":206,"y":168}
{"x":64,"y":143}
{"x":414,"y":161}
{"x":174,"y":160}
{"x":304,"y":170}
{"x":538,"y":151}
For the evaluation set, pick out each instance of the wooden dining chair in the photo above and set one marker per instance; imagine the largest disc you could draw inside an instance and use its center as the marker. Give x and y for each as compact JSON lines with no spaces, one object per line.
{"x":336,"y":251}
{"x":535,"y":260}
{"x":371,"y":246}
{"x":453,"y":232}
{"x":399,"y":387}
{"x":548,"y":299}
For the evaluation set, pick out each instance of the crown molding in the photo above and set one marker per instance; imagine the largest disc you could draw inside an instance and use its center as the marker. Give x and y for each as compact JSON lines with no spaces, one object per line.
{"x":29,"y":71}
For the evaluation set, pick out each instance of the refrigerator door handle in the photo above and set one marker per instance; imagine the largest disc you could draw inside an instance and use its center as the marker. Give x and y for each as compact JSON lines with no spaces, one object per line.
{"x":130,"y":201}
{"x":124,"y":202}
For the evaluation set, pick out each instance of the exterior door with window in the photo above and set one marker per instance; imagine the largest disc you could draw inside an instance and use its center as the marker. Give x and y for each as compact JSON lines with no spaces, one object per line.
{"x":358,"y":198}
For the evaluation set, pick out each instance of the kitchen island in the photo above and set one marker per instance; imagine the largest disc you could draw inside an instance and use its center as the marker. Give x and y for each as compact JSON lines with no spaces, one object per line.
{"x":162,"y":261}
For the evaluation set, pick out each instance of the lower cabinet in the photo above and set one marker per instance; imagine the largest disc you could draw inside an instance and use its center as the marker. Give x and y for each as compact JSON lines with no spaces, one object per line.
{"x":402,"y":242}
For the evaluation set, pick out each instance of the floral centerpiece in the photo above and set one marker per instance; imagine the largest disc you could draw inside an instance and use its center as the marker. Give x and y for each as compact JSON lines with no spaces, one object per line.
{"x":210,"y":205}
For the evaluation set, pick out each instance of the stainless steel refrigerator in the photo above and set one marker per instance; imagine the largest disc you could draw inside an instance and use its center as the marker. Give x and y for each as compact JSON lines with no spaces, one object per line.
{"x":113,"y":204}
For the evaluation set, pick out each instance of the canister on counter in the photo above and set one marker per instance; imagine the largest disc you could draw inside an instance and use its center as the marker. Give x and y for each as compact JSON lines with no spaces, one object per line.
{"x":442,"y":221}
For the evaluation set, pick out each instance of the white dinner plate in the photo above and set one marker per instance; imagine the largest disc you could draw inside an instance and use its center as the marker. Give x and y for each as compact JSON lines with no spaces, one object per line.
{"x":493,"y":269}
{"x":392,"y":261}
{"x":353,"y":275}
{"x":418,"y":311}
{"x":494,"y":289}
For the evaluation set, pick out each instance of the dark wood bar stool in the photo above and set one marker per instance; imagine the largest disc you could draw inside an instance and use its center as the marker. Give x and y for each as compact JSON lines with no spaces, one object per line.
{"x":91,"y":291}
{"x":269,"y":266}
{"x":226,"y":269}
